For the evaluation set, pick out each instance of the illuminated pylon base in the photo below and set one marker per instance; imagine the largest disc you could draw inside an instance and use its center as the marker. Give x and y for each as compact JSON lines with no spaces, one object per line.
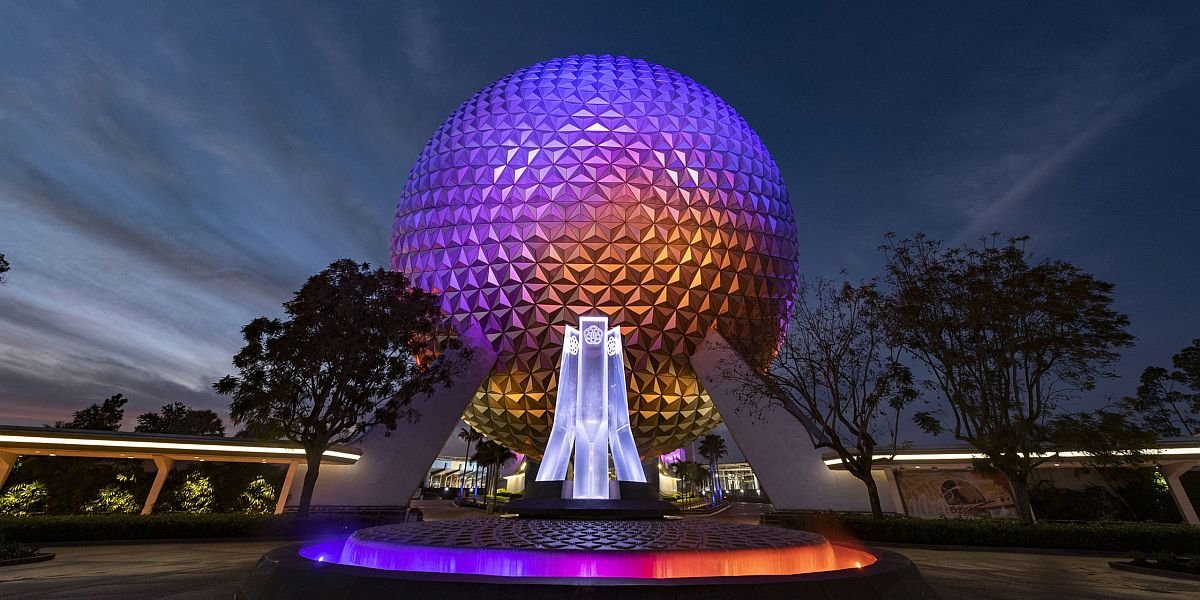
{"x":591,"y":413}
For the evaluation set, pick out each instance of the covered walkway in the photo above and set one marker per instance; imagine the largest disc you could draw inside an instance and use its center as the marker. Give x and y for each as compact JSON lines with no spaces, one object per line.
{"x":164,"y":450}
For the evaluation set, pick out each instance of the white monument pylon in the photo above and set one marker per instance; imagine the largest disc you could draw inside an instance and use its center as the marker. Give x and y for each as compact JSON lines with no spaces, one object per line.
{"x":591,"y":413}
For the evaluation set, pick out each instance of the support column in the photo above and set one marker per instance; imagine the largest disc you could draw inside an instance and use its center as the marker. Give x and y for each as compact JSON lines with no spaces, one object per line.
{"x":162,"y":466}
{"x":1173,"y":472}
{"x":393,"y":466}
{"x":286,"y":487}
{"x":777,"y":443}
{"x":8,"y":462}
{"x":893,"y":486}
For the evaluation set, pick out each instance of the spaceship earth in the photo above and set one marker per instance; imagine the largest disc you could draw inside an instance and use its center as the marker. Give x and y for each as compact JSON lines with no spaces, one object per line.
{"x":599,"y":185}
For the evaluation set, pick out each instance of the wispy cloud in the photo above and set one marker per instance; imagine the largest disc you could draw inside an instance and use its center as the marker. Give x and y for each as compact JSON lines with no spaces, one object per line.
{"x":1032,"y":120}
{"x":167,"y":174}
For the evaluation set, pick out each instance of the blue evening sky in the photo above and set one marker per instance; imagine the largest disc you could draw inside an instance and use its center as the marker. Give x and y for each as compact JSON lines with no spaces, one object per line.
{"x":170,"y":170}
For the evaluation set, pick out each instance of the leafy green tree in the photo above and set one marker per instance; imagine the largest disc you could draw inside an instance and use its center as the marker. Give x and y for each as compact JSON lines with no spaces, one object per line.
{"x":838,"y":373}
{"x":195,"y":494}
{"x":112,"y":499}
{"x":258,"y":498}
{"x":103,"y":416}
{"x":712,"y":447}
{"x":24,"y":499}
{"x":179,"y":419}
{"x":356,"y":347}
{"x":1005,"y":340}
{"x":1168,"y":401}
{"x":470,"y":436}
{"x":4,"y":268}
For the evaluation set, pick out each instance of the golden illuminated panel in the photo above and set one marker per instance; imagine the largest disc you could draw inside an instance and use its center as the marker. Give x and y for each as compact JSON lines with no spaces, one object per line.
{"x":599,"y":185}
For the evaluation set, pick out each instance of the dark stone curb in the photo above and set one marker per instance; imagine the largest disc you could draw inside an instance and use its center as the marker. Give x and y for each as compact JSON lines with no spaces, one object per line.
{"x":1132,"y":568}
{"x":36,"y":558}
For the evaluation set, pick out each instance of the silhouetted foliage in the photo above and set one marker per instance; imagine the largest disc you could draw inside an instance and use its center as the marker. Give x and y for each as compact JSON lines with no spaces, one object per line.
{"x":838,"y":374}
{"x":1169,"y":401}
{"x":1113,"y":445}
{"x":103,"y":416}
{"x":470,"y":436}
{"x":179,"y":419}
{"x":1004,"y":339}
{"x":712,"y":447}
{"x":4,"y":268}
{"x":491,"y":456}
{"x":356,"y":347}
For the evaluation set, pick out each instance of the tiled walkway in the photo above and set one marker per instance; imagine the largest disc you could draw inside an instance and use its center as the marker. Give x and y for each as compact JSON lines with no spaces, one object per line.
{"x":203,"y":571}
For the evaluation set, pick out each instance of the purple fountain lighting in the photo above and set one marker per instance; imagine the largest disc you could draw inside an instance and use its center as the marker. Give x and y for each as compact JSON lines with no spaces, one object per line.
{"x":531,"y":548}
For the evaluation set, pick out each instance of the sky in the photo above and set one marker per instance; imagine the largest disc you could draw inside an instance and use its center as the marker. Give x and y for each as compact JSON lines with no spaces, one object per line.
{"x":171,"y":170}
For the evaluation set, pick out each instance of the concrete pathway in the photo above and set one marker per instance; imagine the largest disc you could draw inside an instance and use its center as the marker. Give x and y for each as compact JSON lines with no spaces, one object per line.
{"x":213,"y":570}
{"x":969,"y":575}
{"x":186,"y":571}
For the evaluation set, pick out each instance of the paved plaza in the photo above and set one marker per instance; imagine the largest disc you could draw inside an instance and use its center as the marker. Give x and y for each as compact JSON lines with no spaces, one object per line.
{"x":213,"y":570}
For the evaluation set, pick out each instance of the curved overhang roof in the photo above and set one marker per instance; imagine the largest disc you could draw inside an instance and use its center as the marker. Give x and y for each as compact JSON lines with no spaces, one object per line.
{"x":46,"y":441}
{"x":1187,"y":450}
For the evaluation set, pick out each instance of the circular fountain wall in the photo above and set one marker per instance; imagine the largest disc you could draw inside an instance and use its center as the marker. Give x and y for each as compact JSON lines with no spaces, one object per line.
{"x":635,"y":549}
{"x":553,"y":558}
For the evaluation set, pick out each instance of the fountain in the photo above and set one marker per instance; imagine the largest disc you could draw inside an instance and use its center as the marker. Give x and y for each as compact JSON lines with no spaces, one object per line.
{"x":600,"y":545}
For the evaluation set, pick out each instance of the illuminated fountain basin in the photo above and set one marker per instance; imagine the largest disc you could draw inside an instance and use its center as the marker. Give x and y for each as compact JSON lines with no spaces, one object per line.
{"x":554,"y":558}
{"x":595,"y":548}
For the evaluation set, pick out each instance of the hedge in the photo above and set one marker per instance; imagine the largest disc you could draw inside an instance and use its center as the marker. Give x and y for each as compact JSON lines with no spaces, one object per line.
{"x":1101,"y":536}
{"x":42,"y":529}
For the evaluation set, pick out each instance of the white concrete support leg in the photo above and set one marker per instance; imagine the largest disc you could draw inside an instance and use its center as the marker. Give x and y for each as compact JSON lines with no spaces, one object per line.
{"x":393,"y":466}
{"x":8,"y":462}
{"x":776,"y":443}
{"x":162,"y":466}
{"x":1173,"y":472}
{"x":893,"y":487}
{"x":284,"y":489}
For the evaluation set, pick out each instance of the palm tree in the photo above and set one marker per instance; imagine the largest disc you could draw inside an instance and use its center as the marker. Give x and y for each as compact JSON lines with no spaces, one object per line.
{"x":690,"y":473}
{"x":470,"y":436}
{"x":713,"y":448}
{"x":492,"y":457}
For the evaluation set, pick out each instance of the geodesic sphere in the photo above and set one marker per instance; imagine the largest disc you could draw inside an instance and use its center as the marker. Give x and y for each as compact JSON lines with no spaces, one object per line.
{"x":599,"y":185}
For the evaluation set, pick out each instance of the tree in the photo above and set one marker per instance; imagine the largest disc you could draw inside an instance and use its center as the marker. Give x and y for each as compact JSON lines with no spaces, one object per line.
{"x":4,"y":268}
{"x":1111,"y":444}
{"x":1005,"y":340}
{"x":258,"y":498}
{"x":104,"y":416}
{"x":179,"y":419}
{"x":837,"y":372}
{"x":356,"y":347}
{"x":492,"y":457}
{"x":712,"y":447}
{"x":690,"y":473}
{"x":1169,"y":401}
{"x":470,"y":436}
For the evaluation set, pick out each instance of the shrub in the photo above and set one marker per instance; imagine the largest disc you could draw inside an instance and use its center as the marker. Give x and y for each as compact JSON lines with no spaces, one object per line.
{"x":24,"y":499}
{"x":1106,"y":536}
{"x":112,"y":499}
{"x":195,"y":495}
{"x":14,"y":550}
{"x":258,"y":497}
